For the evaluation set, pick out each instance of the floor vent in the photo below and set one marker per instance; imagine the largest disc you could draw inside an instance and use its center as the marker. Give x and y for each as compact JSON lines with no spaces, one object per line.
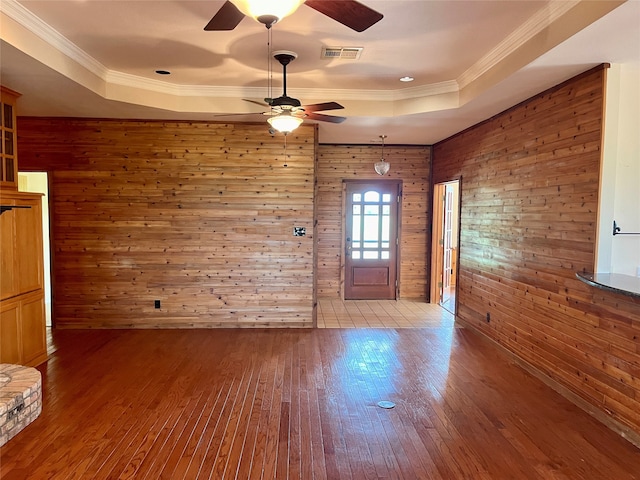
{"x":345,"y":53}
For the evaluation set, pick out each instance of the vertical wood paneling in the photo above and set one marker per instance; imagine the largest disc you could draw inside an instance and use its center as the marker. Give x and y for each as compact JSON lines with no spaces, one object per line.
{"x":197,"y":215}
{"x":528,"y":224}
{"x":409,"y":164}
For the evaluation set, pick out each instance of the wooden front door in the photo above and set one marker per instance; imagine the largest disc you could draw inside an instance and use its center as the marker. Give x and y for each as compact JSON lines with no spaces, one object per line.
{"x":371,"y":240}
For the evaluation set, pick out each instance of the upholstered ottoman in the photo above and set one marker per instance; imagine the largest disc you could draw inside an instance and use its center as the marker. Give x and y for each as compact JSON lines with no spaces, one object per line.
{"x":20,"y":399}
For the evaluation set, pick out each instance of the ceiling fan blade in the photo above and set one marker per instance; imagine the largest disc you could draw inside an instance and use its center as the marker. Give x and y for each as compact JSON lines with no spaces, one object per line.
{"x":324,"y":118}
{"x":257,"y":103}
{"x":227,"y":18}
{"x":235,"y":114}
{"x":353,"y":14}
{"x":319,"y":107}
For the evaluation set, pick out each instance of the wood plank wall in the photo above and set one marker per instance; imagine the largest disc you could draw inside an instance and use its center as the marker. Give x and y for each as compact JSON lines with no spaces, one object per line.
{"x":528,"y":224}
{"x":410,"y":164}
{"x":197,"y":215}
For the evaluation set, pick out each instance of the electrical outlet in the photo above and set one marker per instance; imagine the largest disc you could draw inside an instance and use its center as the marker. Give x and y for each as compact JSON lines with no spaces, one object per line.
{"x":488,"y":317}
{"x":156,"y":303}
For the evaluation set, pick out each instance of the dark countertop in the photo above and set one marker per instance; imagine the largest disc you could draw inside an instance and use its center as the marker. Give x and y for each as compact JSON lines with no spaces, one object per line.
{"x":613,"y":282}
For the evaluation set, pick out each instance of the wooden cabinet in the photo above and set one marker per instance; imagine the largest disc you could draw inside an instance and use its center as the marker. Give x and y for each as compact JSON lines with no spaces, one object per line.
{"x":22,"y":317}
{"x":22,"y":331}
{"x":8,"y":147}
{"x":22,"y":328}
{"x":10,"y":350}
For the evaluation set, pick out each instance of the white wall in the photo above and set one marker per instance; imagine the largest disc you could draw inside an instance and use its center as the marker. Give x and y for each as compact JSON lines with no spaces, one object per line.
{"x":36,"y":182}
{"x":620,"y":174}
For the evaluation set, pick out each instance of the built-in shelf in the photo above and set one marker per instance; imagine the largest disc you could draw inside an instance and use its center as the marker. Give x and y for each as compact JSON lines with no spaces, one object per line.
{"x":613,"y":282}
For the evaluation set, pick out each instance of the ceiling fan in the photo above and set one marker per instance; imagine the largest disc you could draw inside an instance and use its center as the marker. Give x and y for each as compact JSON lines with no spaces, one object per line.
{"x":287,"y":113}
{"x":350,"y":13}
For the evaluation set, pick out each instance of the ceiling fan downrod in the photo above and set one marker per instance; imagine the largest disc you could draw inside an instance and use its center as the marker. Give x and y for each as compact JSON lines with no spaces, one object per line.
{"x":285,"y":57}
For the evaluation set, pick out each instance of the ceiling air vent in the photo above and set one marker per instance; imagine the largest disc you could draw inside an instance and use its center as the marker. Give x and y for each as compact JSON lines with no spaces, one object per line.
{"x":345,"y":53}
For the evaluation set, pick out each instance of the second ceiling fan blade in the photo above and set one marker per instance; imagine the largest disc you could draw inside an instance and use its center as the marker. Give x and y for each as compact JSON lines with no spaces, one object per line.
{"x":324,"y":118}
{"x":350,"y":13}
{"x":319,"y":107}
{"x":227,"y":18}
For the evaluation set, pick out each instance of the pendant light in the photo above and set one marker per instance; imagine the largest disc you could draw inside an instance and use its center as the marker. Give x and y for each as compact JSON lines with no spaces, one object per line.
{"x":382,"y":167}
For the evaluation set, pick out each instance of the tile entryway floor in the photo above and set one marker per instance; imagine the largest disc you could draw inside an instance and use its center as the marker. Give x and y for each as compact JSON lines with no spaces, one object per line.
{"x":333,"y":313}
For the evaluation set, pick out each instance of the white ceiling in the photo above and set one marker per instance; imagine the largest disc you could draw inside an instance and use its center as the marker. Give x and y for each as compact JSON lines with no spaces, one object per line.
{"x":470,"y":60}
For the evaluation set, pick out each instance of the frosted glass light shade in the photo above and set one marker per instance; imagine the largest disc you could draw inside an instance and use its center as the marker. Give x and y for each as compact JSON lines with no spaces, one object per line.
{"x":260,"y":8}
{"x":285,"y":122}
{"x":381,"y":167}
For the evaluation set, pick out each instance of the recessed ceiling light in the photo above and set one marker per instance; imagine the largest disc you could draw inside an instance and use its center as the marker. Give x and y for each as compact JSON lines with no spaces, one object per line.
{"x":406,"y":79}
{"x":163,"y":72}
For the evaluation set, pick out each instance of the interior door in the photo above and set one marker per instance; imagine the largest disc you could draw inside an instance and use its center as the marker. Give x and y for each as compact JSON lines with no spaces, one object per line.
{"x":444,"y":244}
{"x":448,"y":243}
{"x":371,"y":240}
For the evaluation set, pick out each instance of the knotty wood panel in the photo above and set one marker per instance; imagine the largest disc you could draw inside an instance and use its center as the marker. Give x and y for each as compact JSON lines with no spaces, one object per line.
{"x":301,"y":405}
{"x":528,"y":223}
{"x":197,"y":215}
{"x":409,"y":164}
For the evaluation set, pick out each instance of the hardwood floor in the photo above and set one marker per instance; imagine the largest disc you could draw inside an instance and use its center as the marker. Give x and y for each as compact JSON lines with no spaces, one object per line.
{"x":302,"y":404}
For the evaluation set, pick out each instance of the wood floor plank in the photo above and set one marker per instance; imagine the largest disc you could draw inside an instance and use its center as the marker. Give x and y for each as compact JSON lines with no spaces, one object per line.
{"x":209,"y":441}
{"x":302,"y":405}
{"x":274,"y":425}
{"x":234,"y":434}
{"x":253,"y":459}
{"x":158,"y":458}
{"x":184,"y":436}
{"x":188,"y":458}
{"x":244,"y":451}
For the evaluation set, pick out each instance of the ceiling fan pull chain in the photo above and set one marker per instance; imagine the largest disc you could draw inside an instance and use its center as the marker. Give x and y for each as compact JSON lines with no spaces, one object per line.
{"x":285,"y":151}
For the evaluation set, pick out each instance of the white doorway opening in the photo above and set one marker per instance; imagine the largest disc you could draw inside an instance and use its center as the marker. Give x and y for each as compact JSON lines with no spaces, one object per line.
{"x":38,"y":182}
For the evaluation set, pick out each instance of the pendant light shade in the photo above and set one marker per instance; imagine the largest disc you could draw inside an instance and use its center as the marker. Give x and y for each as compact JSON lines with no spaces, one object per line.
{"x":285,"y":122}
{"x":382,"y":167}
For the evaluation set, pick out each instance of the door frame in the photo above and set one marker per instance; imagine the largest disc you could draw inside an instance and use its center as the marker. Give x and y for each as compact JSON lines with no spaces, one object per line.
{"x":437,"y":251}
{"x":343,"y":229}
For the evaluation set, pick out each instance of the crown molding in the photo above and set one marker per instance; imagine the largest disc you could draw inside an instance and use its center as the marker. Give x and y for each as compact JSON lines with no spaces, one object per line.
{"x":419,"y":91}
{"x":541,"y":20}
{"x":158,"y":86}
{"x":51,"y":36}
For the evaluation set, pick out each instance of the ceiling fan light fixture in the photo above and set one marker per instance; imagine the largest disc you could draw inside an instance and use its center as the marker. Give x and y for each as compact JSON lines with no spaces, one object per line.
{"x":267,"y":12}
{"x":285,"y":122}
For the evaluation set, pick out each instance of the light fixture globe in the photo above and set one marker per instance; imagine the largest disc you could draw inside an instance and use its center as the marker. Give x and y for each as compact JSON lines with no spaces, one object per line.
{"x":267,"y":11}
{"x":381,"y":167}
{"x":285,"y":122}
